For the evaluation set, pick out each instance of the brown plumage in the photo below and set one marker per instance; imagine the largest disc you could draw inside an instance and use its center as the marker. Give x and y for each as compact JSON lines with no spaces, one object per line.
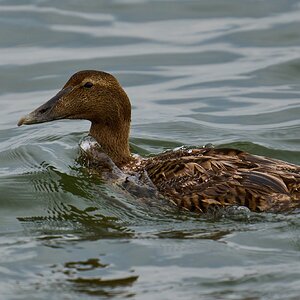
{"x":198,"y":178}
{"x":193,"y":179}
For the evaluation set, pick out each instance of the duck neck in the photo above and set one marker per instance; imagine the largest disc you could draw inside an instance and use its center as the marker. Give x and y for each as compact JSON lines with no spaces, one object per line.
{"x":114,"y":141}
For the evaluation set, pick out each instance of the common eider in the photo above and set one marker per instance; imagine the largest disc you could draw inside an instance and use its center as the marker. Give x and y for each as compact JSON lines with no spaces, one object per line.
{"x":192,"y":179}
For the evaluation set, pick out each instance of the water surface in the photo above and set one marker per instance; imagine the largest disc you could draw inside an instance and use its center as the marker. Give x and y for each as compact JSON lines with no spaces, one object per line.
{"x":197,"y":72}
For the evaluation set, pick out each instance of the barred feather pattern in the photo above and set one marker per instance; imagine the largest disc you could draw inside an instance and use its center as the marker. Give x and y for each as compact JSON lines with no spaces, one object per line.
{"x":197,"y":179}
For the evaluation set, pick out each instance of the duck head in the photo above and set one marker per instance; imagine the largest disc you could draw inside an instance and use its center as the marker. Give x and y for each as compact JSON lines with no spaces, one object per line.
{"x":95,"y":96}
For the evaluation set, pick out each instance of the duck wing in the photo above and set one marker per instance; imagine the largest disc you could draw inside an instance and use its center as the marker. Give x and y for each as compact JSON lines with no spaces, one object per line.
{"x":197,"y":179}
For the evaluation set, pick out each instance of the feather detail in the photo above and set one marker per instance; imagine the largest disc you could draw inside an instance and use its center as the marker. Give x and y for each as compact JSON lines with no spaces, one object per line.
{"x":197,"y":179}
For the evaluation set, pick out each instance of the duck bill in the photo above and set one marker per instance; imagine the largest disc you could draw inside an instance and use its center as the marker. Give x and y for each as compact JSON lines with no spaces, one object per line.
{"x":46,"y":112}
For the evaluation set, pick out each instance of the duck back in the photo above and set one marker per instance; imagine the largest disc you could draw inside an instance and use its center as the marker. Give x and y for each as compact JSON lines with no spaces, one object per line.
{"x":197,"y":179}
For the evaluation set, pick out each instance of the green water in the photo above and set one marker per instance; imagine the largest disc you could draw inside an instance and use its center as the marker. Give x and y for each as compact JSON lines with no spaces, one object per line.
{"x":197,"y":72}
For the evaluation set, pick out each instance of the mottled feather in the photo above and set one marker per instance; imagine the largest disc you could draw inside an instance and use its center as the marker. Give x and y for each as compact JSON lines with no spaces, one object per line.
{"x":196,"y":179}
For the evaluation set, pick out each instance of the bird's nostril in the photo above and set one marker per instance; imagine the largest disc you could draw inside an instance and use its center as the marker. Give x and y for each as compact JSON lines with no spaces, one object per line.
{"x":43,"y":110}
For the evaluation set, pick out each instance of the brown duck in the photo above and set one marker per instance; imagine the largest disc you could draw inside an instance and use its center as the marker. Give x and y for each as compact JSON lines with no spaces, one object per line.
{"x":193,"y":179}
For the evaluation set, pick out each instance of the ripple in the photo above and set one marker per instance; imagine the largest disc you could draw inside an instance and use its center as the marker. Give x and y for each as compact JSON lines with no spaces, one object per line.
{"x":54,"y":11}
{"x":197,"y":72}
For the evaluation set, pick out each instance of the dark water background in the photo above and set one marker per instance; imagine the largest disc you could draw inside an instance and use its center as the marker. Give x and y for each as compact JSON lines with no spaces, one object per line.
{"x":197,"y":72}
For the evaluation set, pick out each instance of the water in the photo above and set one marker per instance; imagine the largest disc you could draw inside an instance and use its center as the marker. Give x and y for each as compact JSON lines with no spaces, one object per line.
{"x":197,"y":72}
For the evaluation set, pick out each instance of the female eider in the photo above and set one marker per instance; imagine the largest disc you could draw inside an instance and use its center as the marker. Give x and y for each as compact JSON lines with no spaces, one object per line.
{"x":193,"y":179}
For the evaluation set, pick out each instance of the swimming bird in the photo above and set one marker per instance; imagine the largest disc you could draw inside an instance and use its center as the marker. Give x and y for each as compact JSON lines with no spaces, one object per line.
{"x":192,"y":179}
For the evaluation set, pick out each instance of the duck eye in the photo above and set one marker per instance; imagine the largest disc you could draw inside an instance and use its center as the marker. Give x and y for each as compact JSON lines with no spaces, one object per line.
{"x":88,"y":85}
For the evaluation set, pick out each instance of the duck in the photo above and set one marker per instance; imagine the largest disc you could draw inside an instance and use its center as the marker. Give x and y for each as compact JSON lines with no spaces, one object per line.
{"x":192,"y":179}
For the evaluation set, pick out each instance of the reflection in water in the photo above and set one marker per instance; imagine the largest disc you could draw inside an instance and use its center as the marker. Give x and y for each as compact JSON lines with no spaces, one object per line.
{"x":68,"y":219}
{"x":90,"y":264}
{"x":193,"y":234}
{"x":85,"y":277}
{"x":89,"y":277}
{"x":103,"y":287}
